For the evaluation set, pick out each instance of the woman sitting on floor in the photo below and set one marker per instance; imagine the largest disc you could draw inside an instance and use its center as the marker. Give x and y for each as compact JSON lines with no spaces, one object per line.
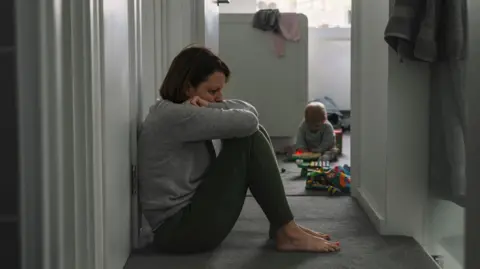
{"x":198,"y":155}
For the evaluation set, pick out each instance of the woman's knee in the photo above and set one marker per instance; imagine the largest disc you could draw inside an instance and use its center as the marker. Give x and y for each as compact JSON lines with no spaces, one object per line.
{"x":257,"y":134}
{"x":247,"y":143}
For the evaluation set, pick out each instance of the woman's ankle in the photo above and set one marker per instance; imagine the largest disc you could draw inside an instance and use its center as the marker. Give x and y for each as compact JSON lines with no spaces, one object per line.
{"x":291,"y":229}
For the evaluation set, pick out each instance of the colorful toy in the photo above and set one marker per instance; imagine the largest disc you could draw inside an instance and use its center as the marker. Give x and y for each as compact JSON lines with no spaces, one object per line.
{"x":317,"y":180}
{"x":339,"y":140}
{"x":339,"y":181}
{"x":305,"y":156}
{"x":346,"y":169}
{"x":312,"y":165}
{"x":334,"y":180}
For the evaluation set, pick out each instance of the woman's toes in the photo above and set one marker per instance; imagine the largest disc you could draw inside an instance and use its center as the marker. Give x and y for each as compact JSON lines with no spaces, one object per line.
{"x":314,"y":233}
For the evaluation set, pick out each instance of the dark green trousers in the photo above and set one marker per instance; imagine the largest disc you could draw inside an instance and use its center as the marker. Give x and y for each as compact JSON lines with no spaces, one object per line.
{"x":243,"y":163}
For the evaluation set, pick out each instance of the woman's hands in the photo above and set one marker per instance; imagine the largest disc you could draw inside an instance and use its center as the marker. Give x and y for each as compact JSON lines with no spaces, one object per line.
{"x":197,"y":101}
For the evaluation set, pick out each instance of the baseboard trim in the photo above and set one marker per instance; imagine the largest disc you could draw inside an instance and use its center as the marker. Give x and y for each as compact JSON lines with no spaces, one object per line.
{"x":377,"y":219}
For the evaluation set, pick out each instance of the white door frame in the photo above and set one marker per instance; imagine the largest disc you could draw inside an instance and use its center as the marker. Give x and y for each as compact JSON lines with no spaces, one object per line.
{"x":355,"y":90}
{"x":135,"y":106}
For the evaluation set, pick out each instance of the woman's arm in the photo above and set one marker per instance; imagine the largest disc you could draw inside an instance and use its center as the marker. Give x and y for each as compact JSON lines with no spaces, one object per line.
{"x":234,"y":104}
{"x":191,"y":123}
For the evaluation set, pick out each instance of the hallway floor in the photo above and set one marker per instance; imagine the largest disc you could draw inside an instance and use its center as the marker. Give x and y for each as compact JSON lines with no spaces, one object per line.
{"x":247,"y":246}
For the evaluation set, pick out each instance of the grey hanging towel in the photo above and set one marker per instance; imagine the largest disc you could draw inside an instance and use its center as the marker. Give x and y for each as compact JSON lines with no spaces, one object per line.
{"x":442,"y":33}
{"x":267,"y":20}
{"x":404,"y":25}
{"x":428,"y":30}
{"x":453,"y":30}
{"x":426,"y":47}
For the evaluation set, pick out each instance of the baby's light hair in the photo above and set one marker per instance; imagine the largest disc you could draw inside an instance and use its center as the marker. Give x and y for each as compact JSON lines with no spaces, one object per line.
{"x":316,"y":107}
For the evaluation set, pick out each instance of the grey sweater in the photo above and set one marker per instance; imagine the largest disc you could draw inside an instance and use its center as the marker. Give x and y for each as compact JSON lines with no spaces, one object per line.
{"x":172,"y":153}
{"x":320,"y":141}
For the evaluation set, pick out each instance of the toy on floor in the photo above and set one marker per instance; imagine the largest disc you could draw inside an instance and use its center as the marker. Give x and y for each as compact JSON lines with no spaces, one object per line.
{"x":339,"y":180}
{"x":317,"y":180}
{"x":346,"y":169}
{"x":312,"y":165}
{"x":305,"y":156}
{"x":336,"y":180}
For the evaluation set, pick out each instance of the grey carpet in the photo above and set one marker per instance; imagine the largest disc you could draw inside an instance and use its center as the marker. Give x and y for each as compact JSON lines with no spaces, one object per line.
{"x":294,"y":184}
{"x":247,"y":246}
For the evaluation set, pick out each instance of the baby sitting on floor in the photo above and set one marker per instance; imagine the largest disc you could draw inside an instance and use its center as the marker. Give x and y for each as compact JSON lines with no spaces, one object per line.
{"x":316,"y":133}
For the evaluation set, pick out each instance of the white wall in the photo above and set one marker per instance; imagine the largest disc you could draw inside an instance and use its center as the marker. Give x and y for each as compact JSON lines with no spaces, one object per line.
{"x":329,"y":64}
{"x":369,"y":95}
{"x":444,"y":228}
{"x":291,"y":87}
{"x":116,"y":132}
{"x":407,"y":146}
{"x":166,"y":28}
{"x":239,"y":6}
{"x":207,"y":24}
{"x":150,"y":67}
{"x":389,"y":127}
{"x":329,"y":58}
{"x":445,"y":231}
{"x":391,"y":113}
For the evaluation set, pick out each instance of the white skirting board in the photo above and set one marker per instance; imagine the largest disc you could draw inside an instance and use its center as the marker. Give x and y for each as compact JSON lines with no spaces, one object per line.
{"x":377,"y":220}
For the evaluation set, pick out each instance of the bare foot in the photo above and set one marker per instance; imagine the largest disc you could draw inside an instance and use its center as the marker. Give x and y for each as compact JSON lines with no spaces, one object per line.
{"x":291,"y":237}
{"x":314,"y":233}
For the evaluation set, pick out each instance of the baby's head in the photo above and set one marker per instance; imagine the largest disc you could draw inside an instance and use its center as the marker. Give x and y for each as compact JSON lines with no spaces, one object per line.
{"x":315,"y":115}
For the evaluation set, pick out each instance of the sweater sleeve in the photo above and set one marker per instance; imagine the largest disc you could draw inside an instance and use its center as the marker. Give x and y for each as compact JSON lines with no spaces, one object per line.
{"x":301,"y":143}
{"x":234,"y":104}
{"x":328,"y":139}
{"x":189,"y":123}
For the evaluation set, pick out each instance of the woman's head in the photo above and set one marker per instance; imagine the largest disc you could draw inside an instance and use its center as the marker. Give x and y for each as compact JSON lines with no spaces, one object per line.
{"x":195,"y":71}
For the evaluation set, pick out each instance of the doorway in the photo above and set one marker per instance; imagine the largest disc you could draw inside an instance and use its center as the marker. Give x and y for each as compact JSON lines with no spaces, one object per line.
{"x":316,"y":68}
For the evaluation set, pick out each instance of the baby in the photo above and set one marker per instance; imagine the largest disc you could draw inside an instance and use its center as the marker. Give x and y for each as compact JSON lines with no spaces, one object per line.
{"x":316,"y":133}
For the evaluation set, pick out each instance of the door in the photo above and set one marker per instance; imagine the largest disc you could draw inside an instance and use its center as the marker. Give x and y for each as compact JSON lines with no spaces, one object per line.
{"x":208,"y":24}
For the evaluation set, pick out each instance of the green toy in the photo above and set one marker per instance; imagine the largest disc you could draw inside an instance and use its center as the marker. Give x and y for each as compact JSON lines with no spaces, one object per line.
{"x":316,"y":180}
{"x":336,"y":180}
{"x":306,"y":166}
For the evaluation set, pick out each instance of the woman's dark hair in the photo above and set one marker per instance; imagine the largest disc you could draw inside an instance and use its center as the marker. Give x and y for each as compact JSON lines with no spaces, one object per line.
{"x":192,"y":66}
